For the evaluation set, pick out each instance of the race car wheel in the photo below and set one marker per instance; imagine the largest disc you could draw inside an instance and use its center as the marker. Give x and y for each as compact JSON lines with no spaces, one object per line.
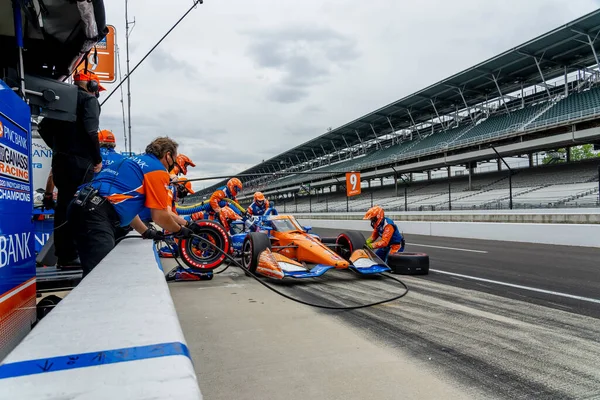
{"x":254,"y":244}
{"x":349,"y":241}
{"x":201,"y":256}
{"x":46,"y":305}
{"x":409,"y":263}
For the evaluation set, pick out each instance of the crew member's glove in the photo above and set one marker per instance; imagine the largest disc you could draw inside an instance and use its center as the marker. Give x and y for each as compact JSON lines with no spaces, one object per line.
{"x":153,"y":234}
{"x":194,"y":227}
{"x":197,"y":215}
{"x":48,"y":201}
{"x":183,"y":233}
{"x":369,"y":243}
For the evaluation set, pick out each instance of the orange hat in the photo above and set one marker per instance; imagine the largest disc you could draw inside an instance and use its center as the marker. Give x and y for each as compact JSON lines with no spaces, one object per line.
{"x":84,"y":76}
{"x":106,"y":136}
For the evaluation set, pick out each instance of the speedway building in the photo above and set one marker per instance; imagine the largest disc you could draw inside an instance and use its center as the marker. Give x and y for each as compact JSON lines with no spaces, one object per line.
{"x":485,"y":138}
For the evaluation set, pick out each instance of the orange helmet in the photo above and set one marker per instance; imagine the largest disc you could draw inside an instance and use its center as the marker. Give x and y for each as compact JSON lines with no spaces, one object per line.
{"x":106,"y":137}
{"x":84,"y":76}
{"x":375,"y":214}
{"x":183,"y":161}
{"x":187,"y":184}
{"x":259,"y":198}
{"x":234,"y":185}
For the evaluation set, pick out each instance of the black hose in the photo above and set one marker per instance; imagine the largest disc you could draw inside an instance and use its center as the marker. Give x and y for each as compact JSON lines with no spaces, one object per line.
{"x":234,"y":261}
{"x":256,"y":278}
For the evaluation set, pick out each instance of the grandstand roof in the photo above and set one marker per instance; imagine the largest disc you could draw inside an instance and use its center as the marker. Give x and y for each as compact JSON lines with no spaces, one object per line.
{"x":567,"y":46}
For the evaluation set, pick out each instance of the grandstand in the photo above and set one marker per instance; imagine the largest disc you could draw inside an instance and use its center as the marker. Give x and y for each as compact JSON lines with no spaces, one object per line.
{"x":533,"y":99}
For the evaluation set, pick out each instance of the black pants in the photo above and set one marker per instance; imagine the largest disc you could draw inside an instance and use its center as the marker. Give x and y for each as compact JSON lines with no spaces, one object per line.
{"x":96,"y":230}
{"x":68,"y":174}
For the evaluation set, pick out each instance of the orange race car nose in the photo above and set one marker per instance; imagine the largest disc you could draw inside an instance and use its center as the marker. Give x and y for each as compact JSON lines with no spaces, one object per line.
{"x":341,"y":264}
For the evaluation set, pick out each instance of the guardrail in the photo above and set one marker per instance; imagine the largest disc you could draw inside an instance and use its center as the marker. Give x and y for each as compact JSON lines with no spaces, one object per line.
{"x":554,"y":228}
{"x":115,"y":336}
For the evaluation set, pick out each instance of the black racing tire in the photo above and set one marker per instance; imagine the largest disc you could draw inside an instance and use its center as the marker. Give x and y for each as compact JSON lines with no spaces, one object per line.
{"x":200,"y":256}
{"x":46,"y":305}
{"x":254,"y":244}
{"x":409,"y":263}
{"x":347,"y":242}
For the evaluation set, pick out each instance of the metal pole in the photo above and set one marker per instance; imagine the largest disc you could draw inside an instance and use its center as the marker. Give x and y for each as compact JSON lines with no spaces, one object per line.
{"x":326,"y":205}
{"x":309,"y":202}
{"x":599,"y":185}
{"x":499,"y":91}
{"x":347,"y":205}
{"x":449,"y":190}
{"x":466,"y":105}
{"x":128,"y":73}
{"x":510,"y":203}
{"x":405,"y":198}
{"x":542,"y":75}
{"x":438,"y":115}
{"x":371,"y":199}
{"x":376,"y":137}
{"x":19,"y":38}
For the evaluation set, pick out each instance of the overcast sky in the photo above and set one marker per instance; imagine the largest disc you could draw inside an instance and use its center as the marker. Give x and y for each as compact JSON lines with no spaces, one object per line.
{"x":239,"y":81}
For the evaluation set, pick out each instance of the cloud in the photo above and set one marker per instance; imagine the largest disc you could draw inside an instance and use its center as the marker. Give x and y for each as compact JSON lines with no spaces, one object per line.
{"x":162,"y":61}
{"x":304,"y":57}
{"x":239,"y":82}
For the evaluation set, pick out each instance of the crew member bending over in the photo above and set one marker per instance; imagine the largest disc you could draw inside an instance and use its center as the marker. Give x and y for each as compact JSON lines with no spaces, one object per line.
{"x":259,"y":206}
{"x":117,"y":195}
{"x":229,"y":191}
{"x":391,"y":240}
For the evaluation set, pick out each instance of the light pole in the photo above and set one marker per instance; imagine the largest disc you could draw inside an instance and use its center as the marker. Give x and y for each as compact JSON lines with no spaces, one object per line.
{"x":510,"y":203}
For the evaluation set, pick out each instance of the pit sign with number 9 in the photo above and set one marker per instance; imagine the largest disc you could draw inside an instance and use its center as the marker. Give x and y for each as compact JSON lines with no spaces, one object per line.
{"x":352,"y":183}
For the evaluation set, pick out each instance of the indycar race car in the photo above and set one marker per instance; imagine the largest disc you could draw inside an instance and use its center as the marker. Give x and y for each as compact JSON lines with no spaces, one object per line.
{"x":277,"y":246}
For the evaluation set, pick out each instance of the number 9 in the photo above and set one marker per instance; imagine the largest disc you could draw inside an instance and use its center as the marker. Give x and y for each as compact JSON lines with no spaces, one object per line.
{"x":353,"y":181}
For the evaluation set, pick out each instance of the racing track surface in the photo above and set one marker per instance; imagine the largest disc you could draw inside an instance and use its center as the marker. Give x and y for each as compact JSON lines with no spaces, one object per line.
{"x":486,"y":338}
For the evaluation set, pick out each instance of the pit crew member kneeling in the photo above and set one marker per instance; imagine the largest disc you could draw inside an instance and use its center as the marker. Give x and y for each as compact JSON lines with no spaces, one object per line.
{"x":391,"y":239}
{"x":116,"y":197}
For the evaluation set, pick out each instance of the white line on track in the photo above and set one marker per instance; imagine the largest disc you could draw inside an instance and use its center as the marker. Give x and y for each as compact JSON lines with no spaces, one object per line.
{"x":532,"y":289}
{"x":447,"y":248}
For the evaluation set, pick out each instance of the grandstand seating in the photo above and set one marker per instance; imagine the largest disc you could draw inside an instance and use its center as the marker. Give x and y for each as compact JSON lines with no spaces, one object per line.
{"x":435,"y":140}
{"x":500,"y":123}
{"x":529,"y":117}
{"x":574,"y":103}
{"x":567,"y":185}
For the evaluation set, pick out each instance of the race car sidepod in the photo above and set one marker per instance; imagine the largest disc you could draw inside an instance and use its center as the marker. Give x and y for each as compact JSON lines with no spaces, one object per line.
{"x":258,"y":258}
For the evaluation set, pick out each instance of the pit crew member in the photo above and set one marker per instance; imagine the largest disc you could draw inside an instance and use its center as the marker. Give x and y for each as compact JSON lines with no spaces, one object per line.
{"x":259,"y":206}
{"x":115,"y":198}
{"x":390,"y":239}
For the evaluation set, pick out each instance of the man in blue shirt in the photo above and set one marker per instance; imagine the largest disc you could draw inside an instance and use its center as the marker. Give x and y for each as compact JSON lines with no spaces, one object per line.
{"x":118,"y":194}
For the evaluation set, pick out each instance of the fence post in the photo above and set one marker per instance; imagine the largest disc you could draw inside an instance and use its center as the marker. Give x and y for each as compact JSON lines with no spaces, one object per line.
{"x":449,"y":190}
{"x":405,"y":198}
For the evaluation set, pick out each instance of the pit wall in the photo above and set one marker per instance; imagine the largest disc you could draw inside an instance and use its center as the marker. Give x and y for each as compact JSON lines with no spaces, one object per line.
{"x":115,"y":336}
{"x":564,"y":227}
